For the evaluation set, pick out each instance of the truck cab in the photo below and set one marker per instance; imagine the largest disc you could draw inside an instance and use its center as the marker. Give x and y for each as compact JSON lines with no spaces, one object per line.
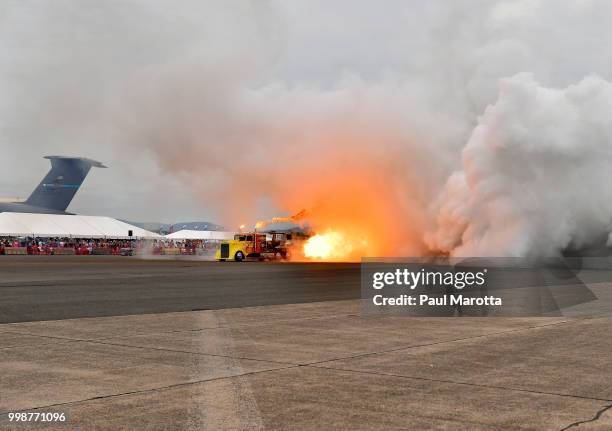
{"x":242,"y":246}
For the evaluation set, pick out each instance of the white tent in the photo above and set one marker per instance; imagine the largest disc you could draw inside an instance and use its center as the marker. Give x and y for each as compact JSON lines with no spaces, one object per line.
{"x":201,"y":234}
{"x":76,"y":226}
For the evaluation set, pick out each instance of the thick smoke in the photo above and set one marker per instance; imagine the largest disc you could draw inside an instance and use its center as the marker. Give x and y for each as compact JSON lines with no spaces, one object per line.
{"x":359,"y":157}
{"x":535,"y":177}
{"x":410,"y":125}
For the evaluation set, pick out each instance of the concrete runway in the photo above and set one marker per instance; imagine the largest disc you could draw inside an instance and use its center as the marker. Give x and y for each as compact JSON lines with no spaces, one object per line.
{"x":64,"y":287}
{"x":300,"y":365}
{"x":312,"y":366}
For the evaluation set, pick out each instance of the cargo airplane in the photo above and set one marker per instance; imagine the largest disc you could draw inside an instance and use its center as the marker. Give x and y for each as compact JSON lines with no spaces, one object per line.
{"x":58,"y":187}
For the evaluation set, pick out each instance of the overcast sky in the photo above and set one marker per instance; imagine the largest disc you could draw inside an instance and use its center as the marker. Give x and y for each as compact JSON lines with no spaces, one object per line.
{"x":106,"y":79}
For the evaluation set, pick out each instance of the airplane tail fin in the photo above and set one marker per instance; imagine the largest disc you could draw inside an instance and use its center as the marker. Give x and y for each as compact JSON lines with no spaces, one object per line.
{"x":59,"y":186}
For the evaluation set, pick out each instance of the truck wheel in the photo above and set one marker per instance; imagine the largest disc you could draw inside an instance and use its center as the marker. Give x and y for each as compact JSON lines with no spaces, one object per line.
{"x":239,"y":256}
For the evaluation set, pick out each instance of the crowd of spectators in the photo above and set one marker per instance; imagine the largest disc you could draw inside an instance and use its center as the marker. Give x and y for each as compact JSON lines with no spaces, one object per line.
{"x":29,"y":245}
{"x":82,"y":246}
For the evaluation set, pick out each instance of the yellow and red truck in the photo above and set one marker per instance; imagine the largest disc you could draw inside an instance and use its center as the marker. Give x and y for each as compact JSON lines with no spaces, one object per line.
{"x":259,"y":246}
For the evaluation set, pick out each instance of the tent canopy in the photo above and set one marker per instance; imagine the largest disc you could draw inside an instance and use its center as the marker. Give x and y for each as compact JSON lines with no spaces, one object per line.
{"x":201,"y":234}
{"x":75,"y":226}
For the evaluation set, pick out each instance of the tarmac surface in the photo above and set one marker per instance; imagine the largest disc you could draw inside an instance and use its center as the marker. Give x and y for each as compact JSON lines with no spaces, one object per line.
{"x":289,"y":366}
{"x":64,"y":287}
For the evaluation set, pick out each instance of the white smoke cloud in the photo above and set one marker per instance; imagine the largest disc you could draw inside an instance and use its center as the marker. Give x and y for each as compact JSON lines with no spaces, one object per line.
{"x":536,"y":172}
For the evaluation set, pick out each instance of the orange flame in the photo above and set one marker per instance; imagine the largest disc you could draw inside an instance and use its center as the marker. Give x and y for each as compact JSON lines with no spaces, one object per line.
{"x":355,"y":213}
{"x":333,"y":246}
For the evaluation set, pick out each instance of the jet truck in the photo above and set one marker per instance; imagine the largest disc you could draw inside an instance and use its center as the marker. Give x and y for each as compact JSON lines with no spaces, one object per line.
{"x":270,"y":245}
{"x":260,"y":246}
